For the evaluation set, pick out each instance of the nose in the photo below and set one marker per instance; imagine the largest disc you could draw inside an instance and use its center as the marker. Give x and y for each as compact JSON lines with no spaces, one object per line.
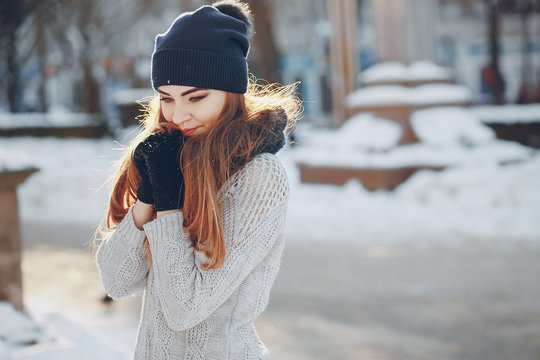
{"x":180,"y":114}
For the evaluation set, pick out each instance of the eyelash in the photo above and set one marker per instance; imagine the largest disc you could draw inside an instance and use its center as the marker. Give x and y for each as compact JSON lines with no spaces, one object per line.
{"x":193,"y":99}
{"x":197,"y":98}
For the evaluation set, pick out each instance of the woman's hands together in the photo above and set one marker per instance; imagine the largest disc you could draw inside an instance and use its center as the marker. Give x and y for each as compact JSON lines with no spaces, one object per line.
{"x":157,"y":159}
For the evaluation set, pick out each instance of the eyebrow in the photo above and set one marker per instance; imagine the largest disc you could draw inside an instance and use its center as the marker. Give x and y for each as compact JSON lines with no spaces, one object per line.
{"x":184,"y":93}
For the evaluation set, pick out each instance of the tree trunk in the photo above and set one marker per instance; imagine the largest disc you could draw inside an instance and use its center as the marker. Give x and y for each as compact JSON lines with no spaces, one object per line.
{"x":342,"y":15}
{"x":11,"y":17}
{"x":263,"y":41}
{"x":91,"y":95}
{"x":493,"y":33}
{"x":42,"y":60}
{"x":12,"y":75}
{"x":526,"y":94}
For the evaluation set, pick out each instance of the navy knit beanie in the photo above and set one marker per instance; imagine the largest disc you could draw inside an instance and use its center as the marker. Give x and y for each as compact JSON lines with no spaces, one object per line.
{"x":205,"y":48}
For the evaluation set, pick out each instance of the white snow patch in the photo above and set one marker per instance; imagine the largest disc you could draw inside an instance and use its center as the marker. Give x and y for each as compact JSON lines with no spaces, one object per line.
{"x":428,"y":94}
{"x":450,"y":126}
{"x":361,"y":131}
{"x":13,"y":161}
{"x":52,"y":335}
{"x":16,"y":329}
{"x":395,"y":71}
{"x":508,"y":114}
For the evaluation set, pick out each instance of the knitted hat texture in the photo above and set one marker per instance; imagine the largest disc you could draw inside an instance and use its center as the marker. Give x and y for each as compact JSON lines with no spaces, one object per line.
{"x":205,"y":48}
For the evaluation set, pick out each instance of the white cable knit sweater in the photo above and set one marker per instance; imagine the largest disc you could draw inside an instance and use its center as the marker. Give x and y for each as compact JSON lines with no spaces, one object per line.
{"x":191,"y":313}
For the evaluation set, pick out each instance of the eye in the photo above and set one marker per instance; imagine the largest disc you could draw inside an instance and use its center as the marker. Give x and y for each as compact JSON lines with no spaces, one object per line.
{"x":166,"y":99}
{"x":197,"y":98}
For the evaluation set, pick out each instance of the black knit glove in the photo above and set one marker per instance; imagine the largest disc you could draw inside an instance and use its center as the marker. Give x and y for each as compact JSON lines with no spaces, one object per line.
{"x":144,"y":191}
{"x":161,"y":154}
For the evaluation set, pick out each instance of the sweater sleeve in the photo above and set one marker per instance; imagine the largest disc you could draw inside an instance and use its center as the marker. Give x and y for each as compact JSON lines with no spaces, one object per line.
{"x":253,"y":217}
{"x":122,"y":259}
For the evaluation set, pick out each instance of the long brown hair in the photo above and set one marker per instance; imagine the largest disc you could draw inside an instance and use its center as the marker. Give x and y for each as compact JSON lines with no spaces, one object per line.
{"x":209,"y":160}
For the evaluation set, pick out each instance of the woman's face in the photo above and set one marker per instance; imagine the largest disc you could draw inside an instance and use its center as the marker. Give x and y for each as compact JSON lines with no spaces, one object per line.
{"x":193,"y":110}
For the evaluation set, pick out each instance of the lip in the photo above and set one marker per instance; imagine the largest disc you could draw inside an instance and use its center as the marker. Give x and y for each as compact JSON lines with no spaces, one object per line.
{"x":188,"y":132}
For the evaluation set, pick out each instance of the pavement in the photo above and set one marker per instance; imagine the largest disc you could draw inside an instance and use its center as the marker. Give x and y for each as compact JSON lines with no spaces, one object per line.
{"x":471,"y":299}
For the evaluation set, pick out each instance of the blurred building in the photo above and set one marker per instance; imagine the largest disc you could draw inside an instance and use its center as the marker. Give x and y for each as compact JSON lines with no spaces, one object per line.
{"x":111,"y":46}
{"x":453,"y":33}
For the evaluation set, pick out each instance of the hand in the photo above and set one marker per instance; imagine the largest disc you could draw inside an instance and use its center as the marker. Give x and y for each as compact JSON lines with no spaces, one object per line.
{"x":142,"y":213}
{"x":161,"y":154}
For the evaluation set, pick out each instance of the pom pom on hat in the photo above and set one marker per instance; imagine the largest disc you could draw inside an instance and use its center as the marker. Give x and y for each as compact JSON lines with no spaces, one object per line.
{"x":237,"y":10}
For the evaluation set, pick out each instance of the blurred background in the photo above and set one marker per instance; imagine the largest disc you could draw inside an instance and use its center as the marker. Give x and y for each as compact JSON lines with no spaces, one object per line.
{"x":413,"y":227}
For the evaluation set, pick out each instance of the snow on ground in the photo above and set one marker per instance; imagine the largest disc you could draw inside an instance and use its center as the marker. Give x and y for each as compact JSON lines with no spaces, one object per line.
{"x":16,"y":330}
{"x":485,"y":201}
{"x":53,"y":333}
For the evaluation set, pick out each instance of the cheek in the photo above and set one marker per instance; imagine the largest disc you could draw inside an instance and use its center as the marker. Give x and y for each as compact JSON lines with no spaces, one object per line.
{"x":167,"y":112}
{"x":210,"y":116}
{"x":214,"y":110}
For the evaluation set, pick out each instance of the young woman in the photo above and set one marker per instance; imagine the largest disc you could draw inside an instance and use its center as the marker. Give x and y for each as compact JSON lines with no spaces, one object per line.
{"x":197,"y":212}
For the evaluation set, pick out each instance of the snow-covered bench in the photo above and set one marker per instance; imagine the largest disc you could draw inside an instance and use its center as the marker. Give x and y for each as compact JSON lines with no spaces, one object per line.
{"x":366,"y":148}
{"x":398,"y":102}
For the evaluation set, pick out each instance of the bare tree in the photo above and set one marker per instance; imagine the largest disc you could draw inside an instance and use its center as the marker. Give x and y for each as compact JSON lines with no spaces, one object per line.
{"x":12,"y":15}
{"x":263,"y":41}
{"x":493,"y":12}
{"x":524,"y":8}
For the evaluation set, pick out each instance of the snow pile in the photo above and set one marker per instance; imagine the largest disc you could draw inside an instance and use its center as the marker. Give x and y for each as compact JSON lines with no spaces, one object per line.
{"x":447,"y":126}
{"x":415,"y":72}
{"x":14,"y":161}
{"x":507,"y":114}
{"x":428,"y":94}
{"x":40,"y":120}
{"x":362,"y":131}
{"x":55,"y":338}
{"x":16,"y":330}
